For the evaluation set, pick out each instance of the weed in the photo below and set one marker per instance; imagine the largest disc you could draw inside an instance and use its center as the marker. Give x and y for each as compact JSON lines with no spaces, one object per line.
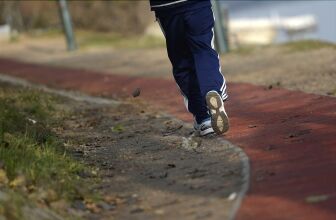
{"x":118,"y":128}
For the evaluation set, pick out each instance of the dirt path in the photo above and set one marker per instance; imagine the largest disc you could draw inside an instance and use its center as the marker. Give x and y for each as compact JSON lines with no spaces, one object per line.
{"x":288,"y":136}
{"x":150,"y":164}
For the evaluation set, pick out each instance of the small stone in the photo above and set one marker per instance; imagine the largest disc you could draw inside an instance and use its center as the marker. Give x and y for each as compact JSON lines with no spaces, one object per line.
{"x":105,"y":206}
{"x":232,"y":196}
{"x":137,"y":210}
{"x":78,"y":204}
{"x":84,"y":174}
{"x":171,"y":165}
{"x":163,"y":175}
{"x":32,"y":120}
{"x":159,"y":212}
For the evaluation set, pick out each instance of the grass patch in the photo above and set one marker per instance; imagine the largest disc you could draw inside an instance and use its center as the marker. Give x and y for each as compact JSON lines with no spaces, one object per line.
{"x":307,"y":45}
{"x":34,"y":165}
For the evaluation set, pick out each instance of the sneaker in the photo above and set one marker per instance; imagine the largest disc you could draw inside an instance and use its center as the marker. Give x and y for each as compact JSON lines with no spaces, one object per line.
{"x":205,"y":128}
{"x":219,"y":118}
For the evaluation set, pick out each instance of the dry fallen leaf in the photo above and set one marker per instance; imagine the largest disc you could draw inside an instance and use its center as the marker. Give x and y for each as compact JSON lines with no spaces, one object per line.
{"x":115,"y":200}
{"x":3,"y":177}
{"x":19,"y":181}
{"x":93,"y":207}
{"x":136,"y":92}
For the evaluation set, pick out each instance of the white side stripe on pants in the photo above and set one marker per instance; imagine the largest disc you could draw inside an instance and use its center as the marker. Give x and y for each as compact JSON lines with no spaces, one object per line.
{"x":168,"y":4}
{"x":223,"y":88}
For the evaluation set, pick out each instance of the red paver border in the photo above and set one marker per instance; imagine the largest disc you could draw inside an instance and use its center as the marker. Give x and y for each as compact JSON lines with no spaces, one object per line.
{"x":289,"y":136}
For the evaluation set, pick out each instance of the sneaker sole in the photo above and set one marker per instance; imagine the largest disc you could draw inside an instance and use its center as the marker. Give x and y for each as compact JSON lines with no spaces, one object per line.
{"x":219,"y":119}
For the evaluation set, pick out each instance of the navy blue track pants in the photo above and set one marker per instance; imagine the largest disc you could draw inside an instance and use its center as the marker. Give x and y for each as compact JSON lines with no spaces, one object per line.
{"x":196,"y":68}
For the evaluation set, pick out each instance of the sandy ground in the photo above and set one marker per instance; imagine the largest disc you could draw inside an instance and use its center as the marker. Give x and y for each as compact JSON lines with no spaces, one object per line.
{"x":312,"y":71}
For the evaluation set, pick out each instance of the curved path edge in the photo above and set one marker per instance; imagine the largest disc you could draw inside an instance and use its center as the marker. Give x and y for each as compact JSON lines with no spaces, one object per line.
{"x":245,"y":171}
{"x":289,"y":136}
{"x":246,"y":181}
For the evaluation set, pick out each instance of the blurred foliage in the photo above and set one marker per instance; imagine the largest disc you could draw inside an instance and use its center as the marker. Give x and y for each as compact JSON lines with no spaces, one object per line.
{"x":125,"y":17}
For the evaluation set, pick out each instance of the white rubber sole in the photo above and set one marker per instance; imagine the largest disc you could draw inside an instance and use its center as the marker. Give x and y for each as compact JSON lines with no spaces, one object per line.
{"x":206,"y":132}
{"x":219,"y":118}
{"x":202,"y":133}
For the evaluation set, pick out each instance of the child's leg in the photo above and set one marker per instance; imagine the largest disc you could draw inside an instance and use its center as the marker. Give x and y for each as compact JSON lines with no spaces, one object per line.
{"x":200,"y":38}
{"x":183,"y":65}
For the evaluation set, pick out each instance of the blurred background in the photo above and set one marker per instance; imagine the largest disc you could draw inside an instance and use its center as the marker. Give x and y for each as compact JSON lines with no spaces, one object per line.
{"x":127,"y":17}
{"x":281,"y":21}
{"x":289,"y":44}
{"x":248,"y":22}
{"x":43,"y":17}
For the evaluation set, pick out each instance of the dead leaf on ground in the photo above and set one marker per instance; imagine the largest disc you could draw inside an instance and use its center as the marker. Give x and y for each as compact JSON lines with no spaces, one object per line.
{"x":114,"y":200}
{"x":93,"y":207}
{"x":136,"y":92}
{"x":3,"y":177}
{"x":19,"y":181}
